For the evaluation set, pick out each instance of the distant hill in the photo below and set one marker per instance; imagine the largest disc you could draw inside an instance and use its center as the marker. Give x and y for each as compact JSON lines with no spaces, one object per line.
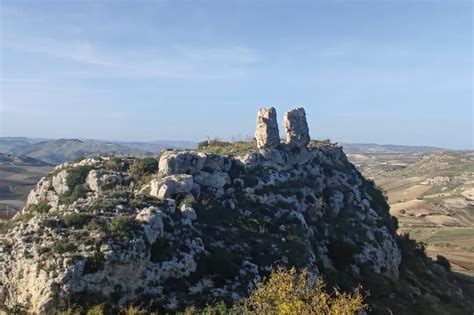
{"x":152,"y":146}
{"x":353,"y":148}
{"x":56,"y":151}
{"x":441,"y":164}
{"x":8,"y":143}
{"x":12,"y":160}
{"x":62,"y":150}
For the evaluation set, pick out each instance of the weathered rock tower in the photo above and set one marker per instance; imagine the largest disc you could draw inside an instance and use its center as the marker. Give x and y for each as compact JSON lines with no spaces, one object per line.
{"x":267,"y":133}
{"x":296,"y":127}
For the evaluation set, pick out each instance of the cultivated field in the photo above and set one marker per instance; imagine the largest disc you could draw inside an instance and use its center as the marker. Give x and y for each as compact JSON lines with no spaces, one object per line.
{"x":16,"y":181}
{"x":432,"y":195}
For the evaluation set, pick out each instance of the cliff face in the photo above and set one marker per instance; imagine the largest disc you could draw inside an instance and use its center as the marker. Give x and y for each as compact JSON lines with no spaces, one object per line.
{"x":204,"y":228}
{"x":193,"y":227}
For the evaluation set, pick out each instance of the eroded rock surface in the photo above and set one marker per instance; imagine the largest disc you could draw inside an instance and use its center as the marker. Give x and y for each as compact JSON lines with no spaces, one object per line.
{"x":267,"y":133}
{"x":296,"y":127}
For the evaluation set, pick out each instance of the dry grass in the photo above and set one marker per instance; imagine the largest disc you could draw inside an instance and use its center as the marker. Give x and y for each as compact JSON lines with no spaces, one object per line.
{"x":227,"y":148}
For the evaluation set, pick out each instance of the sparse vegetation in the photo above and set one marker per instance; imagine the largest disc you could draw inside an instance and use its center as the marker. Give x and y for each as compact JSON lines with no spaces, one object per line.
{"x":77,"y":176}
{"x":120,"y":226}
{"x":144,"y":166}
{"x":79,"y":192}
{"x":75,"y":219}
{"x":63,"y":246}
{"x":41,"y":207}
{"x":227,"y":148}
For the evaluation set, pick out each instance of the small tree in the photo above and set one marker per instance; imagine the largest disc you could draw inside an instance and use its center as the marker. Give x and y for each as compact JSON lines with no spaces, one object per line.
{"x":287,"y":293}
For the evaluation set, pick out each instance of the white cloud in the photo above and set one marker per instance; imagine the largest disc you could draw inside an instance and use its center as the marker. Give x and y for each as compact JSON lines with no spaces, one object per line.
{"x":182,"y":62}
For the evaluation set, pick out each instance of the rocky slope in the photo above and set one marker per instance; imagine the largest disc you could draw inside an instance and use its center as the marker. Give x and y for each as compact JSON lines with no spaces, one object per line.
{"x":191,"y":228}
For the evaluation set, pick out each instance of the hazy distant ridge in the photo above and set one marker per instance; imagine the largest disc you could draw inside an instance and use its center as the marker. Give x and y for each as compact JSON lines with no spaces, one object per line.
{"x":387,"y":148}
{"x":56,"y":151}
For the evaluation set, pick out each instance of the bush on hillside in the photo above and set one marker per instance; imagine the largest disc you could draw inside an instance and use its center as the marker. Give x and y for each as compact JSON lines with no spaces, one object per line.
{"x":80,"y":191}
{"x":77,"y":176}
{"x":287,"y":292}
{"x":144,"y":166}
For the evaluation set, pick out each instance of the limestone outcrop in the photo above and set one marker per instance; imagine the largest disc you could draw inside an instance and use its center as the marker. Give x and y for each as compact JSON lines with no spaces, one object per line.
{"x":267,"y":134}
{"x":202,"y":228}
{"x":100,"y":180}
{"x":296,"y":126}
{"x":172,"y":185}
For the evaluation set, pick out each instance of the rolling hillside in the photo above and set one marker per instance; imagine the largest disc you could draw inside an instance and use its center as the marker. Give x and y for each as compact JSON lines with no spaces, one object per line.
{"x":432,"y":195}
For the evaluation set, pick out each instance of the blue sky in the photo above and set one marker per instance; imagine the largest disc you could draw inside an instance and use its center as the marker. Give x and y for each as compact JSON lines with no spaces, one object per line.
{"x":398,"y":72}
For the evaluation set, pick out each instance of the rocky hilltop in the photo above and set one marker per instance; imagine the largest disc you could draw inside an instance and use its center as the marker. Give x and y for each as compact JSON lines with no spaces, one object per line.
{"x":195,"y":227}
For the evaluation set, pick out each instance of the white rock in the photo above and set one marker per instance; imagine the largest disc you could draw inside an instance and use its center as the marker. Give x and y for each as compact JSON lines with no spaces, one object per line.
{"x":296,"y":126}
{"x":172,"y":162}
{"x":59,"y":182}
{"x":169,"y":186}
{"x":267,"y":133}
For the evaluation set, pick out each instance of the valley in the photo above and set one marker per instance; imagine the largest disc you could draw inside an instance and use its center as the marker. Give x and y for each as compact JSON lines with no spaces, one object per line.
{"x":17,"y":177}
{"x":432,"y":195}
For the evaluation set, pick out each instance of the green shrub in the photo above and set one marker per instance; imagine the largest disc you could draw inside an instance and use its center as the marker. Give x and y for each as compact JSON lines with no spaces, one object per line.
{"x":77,"y":176}
{"x":41,"y":207}
{"x":63,"y":246}
{"x":144,"y":166}
{"x":75,"y":219}
{"x":79,"y":192}
{"x":120,"y":225}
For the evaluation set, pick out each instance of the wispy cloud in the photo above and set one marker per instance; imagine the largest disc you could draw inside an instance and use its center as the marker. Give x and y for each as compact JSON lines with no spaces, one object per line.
{"x":181,"y":61}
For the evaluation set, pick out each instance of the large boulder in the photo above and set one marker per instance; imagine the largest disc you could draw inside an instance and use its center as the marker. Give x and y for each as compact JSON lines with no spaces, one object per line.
{"x":169,"y":186}
{"x":173,"y":162}
{"x":99,"y":180}
{"x":267,"y":134}
{"x":296,"y":126}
